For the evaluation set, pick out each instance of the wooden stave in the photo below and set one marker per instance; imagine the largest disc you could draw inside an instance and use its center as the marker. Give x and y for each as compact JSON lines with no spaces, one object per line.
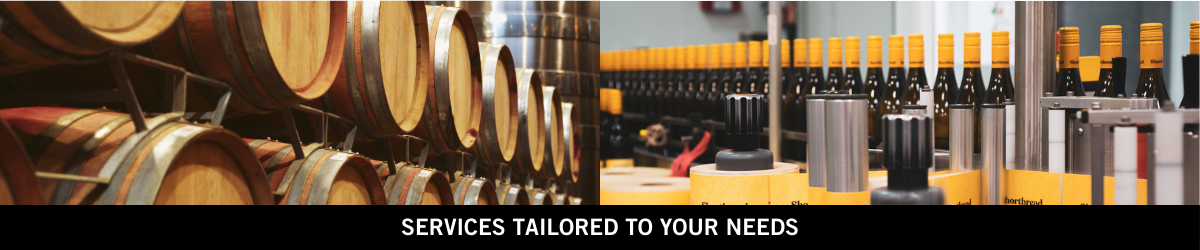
{"x":417,"y":179}
{"x":359,"y":83}
{"x":17,"y":171}
{"x":302,"y":186}
{"x":65,"y":33}
{"x":143,"y":189}
{"x":437,"y":120}
{"x":530,"y":143}
{"x":553,"y":129}
{"x":488,"y":147}
{"x":276,"y":159}
{"x":241,"y":56}
{"x":469,"y":189}
{"x":21,"y":52}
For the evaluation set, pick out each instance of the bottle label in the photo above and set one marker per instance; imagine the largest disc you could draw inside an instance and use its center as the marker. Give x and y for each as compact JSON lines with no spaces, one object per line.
{"x":1107,"y":52}
{"x":1068,"y":57}
{"x":971,"y":57}
{"x":999,"y":56}
{"x":1152,"y":55}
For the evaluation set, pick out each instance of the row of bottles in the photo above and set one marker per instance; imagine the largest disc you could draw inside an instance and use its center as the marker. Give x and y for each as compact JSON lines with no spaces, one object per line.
{"x":1150,"y":78}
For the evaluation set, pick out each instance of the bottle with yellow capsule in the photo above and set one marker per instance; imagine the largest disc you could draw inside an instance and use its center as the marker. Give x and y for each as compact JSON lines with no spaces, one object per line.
{"x":1150,"y":78}
{"x":945,"y":87}
{"x":726,"y":84}
{"x":738,"y":83}
{"x":1110,"y":47}
{"x":816,"y":75}
{"x":1068,"y":62}
{"x":678,"y":105}
{"x":712,"y":83}
{"x":785,"y":71}
{"x":1000,"y":86}
{"x":852,"y":81}
{"x":644,"y":74}
{"x":836,"y":77}
{"x":875,"y":86}
{"x":754,"y":69}
{"x":972,"y":83}
{"x":1191,"y":74}
{"x":916,"y":70}
{"x":795,"y":91}
{"x":696,"y":78}
{"x":895,"y":79}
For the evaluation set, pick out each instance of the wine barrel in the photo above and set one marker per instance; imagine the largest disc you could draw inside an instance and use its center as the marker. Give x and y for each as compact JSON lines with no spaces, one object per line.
{"x":512,"y":194}
{"x":275,"y":158}
{"x":452,"y":110}
{"x":40,"y":34}
{"x":384,"y":77}
{"x":18,"y":183}
{"x":172,"y":162}
{"x":553,"y":127}
{"x":531,"y":142}
{"x":323,"y":177}
{"x":571,"y":133}
{"x":562,"y":199}
{"x":471,"y":190}
{"x":540,"y":197}
{"x":498,"y":138}
{"x":417,"y":186}
{"x":273,"y":53}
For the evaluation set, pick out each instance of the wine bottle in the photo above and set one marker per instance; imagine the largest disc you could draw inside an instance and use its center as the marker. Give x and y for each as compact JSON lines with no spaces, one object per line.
{"x":945,"y":87}
{"x":875,"y":87}
{"x":740,"y":69}
{"x":916,"y":70}
{"x":1150,"y":78}
{"x":852,"y":80}
{"x":796,"y":118}
{"x":712,"y":82}
{"x":1110,"y":46}
{"x":696,"y":89}
{"x":816,"y":75}
{"x":836,"y":78}
{"x":1000,"y":86}
{"x":726,"y":83}
{"x":1068,"y":62}
{"x":643,"y":79}
{"x":972,"y":83}
{"x":895,"y":79}
{"x":785,"y":73}
{"x":754,"y":63}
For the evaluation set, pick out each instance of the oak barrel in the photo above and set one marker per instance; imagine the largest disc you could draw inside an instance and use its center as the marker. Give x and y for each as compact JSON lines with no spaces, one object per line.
{"x":553,"y":128}
{"x":417,"y":186}
{"x":498,"y":127}
{"x":18,"y":183}
{"x":531,"y":142}
{"x":384,"y":77}
{"x":471,"y":190}
{"x":172,"y":162}
{"x":273,"y":53}
{"x":452,"y":110}
{"x":512,"y":194}
{"x":324,"y":177}
{"x":540,"y":197}
{"x":39,"y":34}
{"x":571,"y":125}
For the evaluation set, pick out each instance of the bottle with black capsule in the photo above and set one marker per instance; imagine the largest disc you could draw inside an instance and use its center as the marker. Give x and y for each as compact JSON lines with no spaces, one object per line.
{"x":1068,"y":79}
{"x":744,"y":124}
{"x":945,"y":86}
{"x":852,"y":80}
{"x":875,"y":86}
{"x":916,"y":70}
{"x":895,"y":79}
{"x":907,"y":155}
{"x":1000,"y":85}
{"x":836,"y":77}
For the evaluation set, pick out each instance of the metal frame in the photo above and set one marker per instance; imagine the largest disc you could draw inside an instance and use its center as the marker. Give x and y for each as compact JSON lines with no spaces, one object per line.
{"x":1099,"y":119}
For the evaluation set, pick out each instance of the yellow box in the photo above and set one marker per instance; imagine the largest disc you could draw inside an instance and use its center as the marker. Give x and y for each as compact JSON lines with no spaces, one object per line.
{"x":960,"y":188}
{"x":1032,"y":188}
{"x":1077,"y":190}
{"x":789,"y":189}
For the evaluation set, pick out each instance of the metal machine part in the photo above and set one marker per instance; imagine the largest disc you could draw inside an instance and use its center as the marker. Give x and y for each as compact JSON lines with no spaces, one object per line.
{"x":744,"y":123}
{"x":1124,"y":139}
{"x":992,"y":178}
{"x":816,"y":136}
{"x":908,"y":153}
{"x":1033,"y":74}
{"x":962,"y":137}
{"x":846,"y":160}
